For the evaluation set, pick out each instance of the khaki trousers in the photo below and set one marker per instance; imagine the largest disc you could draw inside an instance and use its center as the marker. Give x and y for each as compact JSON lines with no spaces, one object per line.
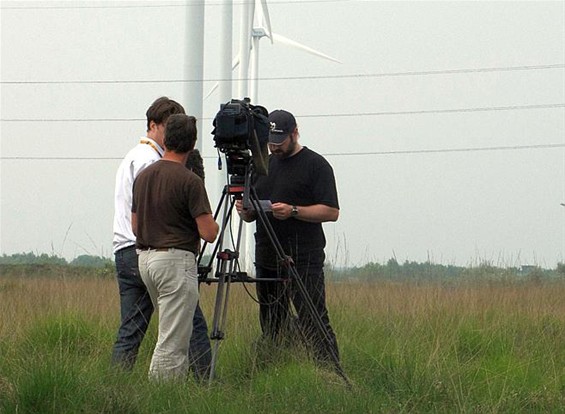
{"x":171,"y":278}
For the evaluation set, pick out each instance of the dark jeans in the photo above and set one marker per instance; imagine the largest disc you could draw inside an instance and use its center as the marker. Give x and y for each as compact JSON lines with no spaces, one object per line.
{"x":275,"y":314}
{"x":136,"y":310}
{"x":199,"y":350}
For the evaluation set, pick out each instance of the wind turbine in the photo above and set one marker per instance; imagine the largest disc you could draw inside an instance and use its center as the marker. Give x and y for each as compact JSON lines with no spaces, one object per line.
{"x":262,"y":28}
{"x":255,"y":25}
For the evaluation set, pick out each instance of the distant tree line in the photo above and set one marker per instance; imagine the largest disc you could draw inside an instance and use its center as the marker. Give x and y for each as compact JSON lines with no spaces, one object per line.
{"x":41,"y":264}
{"x":410,"y":270}
{"x":46,"y":259}
{"x":45,"y":265}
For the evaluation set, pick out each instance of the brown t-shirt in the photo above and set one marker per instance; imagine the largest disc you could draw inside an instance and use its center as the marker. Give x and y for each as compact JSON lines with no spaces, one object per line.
{"x":167,"y":197}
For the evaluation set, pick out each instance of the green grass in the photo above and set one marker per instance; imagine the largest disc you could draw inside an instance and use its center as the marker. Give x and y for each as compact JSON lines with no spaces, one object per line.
{"x":469,"y":348}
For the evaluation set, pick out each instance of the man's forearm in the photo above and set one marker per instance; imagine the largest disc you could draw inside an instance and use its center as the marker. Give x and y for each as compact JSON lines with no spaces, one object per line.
{"x":317,"y":213}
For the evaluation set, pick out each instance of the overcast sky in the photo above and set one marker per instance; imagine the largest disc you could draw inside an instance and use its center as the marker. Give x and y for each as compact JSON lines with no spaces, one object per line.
{"x":445,"y":121}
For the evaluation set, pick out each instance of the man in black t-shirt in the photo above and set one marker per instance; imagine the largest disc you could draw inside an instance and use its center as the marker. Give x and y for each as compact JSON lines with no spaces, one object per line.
{"x":302,"y":190}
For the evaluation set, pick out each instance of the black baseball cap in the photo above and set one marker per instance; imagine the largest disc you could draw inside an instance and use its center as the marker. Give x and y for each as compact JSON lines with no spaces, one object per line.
{"x":282,"y":125}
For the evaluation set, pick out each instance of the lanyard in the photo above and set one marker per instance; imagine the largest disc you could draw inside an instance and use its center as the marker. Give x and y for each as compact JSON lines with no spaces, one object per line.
{"x":146,"y":141}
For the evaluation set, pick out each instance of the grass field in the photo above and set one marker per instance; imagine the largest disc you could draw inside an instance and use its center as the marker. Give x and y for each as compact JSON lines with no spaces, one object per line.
{"x":494,"y":346}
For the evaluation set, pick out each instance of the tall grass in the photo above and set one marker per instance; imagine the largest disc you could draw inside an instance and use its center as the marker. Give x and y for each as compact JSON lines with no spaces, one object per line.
{"x":489,"y":346}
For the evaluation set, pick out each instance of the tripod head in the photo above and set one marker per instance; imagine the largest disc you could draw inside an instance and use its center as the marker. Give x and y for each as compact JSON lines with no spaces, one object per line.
{"x":237,"y":188}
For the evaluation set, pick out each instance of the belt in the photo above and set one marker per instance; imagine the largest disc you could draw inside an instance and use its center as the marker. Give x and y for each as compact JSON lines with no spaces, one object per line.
{"x":162,"y":249}
{"x":155,"y":249}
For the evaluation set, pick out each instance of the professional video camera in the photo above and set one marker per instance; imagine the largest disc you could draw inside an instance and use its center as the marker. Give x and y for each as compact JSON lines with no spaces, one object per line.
{"x":241,"y":131}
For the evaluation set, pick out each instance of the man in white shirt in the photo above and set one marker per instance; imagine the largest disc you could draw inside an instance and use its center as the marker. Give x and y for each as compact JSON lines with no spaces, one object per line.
{"x":135,"y":303}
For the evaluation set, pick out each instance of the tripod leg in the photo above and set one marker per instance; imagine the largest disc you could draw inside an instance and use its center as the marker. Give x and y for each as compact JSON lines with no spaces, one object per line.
{"x":221,"y":203}
{"x":216,"y":335}
{"x":219,"y":310}
{"x":221,"y":292}
{"x":227,"y":266}
{"x":295,"y":277}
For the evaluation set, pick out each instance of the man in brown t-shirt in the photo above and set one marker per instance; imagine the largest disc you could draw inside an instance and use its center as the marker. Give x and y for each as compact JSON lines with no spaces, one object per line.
{"x":170,"y":214}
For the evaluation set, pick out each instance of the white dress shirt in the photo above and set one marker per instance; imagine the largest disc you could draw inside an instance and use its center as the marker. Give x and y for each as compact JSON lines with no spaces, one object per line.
{"x":142,"y":155}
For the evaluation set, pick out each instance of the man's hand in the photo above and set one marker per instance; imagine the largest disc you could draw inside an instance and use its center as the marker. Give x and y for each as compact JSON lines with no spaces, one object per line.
{"x":281,"y":211}
{"x":246,"y":215}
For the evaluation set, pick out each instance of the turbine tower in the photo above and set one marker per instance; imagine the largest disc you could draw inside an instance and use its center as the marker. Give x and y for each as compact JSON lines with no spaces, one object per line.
{"x":194,"y":63}
{"x":226,"y":30}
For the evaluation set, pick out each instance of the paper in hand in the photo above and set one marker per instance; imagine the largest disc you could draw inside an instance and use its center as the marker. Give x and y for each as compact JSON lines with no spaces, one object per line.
{"x":265,"y":205}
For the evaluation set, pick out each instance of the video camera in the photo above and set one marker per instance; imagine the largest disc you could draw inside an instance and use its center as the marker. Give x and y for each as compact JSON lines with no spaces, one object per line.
{"x":241,"y":131}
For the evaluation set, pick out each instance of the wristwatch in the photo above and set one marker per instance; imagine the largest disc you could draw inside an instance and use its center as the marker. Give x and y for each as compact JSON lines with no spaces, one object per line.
{"x":294,"y":211}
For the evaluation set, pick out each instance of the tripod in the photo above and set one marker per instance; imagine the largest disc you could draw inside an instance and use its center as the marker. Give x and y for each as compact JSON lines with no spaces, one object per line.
{"x":240,"y":188}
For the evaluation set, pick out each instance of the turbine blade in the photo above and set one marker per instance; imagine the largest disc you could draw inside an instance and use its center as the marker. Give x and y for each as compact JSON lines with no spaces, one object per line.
{"x":300,"y":46}
{"x":234,"y":64}
{"x":211,"y":91}
{"x":267,"y":20}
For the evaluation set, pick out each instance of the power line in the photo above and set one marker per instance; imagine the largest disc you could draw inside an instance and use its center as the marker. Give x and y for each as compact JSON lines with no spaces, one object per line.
{"x":442,"y":111}
{"x":336,"y":154}
{"x":190,"y":3}
{"x":77,"y":120}
{"x":99,"y":6}
{"x":16,"y":158}
{"x":334,"y":115}
{"x":435,"y":151}
{"x":312,"y":77}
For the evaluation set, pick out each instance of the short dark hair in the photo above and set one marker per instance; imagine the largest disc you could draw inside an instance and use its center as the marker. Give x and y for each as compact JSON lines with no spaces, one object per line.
{"x":180,"y":133}
{"x":161,"y":109}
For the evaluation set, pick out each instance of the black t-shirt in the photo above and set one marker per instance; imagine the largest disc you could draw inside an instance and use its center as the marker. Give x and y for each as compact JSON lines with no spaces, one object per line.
{"x":167,"y":197}
{"x":303,"y":179}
